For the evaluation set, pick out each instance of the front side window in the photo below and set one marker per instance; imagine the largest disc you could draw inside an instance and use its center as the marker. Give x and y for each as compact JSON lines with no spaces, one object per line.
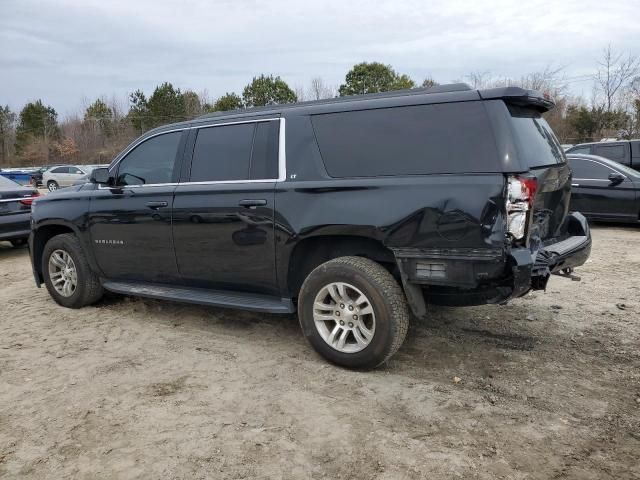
{"x":589,"y":170}
{"x":151,"y":162}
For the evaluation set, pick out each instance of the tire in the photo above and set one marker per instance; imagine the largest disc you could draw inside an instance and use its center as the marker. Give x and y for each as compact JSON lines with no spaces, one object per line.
{"x":386,"y":326}
{"x":18,"y":242}
{"x":88,"y":289}
{"x":52,"y":185}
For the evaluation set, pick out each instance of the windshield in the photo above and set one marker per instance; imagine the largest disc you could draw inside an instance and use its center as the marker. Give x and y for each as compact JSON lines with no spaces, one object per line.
{"x":536,"y":142}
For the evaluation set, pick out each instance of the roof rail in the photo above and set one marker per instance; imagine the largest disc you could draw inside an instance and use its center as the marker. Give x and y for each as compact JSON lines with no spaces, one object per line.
{"x":452,"y":87}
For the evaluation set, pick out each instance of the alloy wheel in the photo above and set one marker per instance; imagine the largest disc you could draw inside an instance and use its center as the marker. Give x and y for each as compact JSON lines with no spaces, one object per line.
{"x":63,"y":273}
{"x":344,"y":317}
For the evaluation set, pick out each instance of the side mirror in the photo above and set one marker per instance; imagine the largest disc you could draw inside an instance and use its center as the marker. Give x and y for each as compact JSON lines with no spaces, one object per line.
{"x":101,"y":176}
{"x":616,"y":178}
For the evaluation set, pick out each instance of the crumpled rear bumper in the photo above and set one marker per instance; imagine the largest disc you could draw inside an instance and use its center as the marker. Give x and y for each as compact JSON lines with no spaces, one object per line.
{"x":571,"y":252}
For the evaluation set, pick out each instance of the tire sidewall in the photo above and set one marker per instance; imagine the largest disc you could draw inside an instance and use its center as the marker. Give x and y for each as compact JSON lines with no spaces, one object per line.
{"x":62,"y":243}
{"x":378,"y":349}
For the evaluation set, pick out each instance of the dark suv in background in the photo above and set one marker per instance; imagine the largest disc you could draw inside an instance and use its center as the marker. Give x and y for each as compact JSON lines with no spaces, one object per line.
{"x":353,"y":211}
{"x":626,"y":152}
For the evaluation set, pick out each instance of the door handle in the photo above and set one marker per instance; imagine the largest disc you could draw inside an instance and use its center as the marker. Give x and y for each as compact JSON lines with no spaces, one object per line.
{"x":575,"y":184}
{"x":252,"y":202}
{"x":156,"y":205}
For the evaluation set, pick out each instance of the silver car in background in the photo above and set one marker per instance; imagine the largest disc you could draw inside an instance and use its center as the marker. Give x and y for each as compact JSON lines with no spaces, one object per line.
{"x":66,"y":175}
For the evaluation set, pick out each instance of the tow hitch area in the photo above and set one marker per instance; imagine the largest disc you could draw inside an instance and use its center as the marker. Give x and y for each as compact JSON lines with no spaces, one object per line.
{"x":560,"y":258}
{"x":568,"y":273}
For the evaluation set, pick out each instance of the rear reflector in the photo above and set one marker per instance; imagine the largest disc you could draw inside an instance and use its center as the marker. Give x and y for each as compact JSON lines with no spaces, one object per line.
{"x":29,"y":200}
{"x":431,"y":270}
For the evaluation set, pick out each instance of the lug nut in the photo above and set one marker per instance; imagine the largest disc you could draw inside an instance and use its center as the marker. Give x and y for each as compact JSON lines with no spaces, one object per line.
{"x":341,"y":322}
{"x":350,"y":307}
{"x":337,"y":313}
{"x":355,"y":317}
{"x":350,"y":324}
{"x":342,"y":305}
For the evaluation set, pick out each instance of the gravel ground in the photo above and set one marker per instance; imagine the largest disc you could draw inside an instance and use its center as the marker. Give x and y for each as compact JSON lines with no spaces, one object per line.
{"x":545,"y":387}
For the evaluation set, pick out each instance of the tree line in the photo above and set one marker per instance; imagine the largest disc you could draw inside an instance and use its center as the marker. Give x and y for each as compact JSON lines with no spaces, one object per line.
{"x":35,"y":135}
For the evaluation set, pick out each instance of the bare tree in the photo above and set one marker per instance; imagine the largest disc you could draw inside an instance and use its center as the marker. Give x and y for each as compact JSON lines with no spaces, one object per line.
{"x":301,"y":95}
{"x":319,"y":90}
{"x":478,"y":79}
{"x":615,"y":73}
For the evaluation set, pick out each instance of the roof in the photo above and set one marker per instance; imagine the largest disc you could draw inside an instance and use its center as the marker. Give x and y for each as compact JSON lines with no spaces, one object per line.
{"x":605,"y":143}
{"x":455,"y":92}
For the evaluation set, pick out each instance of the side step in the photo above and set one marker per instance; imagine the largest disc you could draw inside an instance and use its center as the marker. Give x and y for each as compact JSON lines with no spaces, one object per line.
{"x":202,"y":296}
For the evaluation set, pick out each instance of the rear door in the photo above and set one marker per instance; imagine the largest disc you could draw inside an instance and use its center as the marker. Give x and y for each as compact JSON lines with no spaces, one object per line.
{"x":223,"y":213}
{"x":595,"y":195}
{"x":130,"y":223}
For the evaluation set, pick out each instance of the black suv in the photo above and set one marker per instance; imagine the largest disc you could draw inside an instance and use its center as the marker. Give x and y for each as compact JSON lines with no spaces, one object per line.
{"x":353,"y":211}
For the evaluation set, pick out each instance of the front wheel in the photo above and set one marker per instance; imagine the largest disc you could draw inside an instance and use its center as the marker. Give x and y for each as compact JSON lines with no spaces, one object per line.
{"x":52,"y":185}
{"x":353,"y":312}
{"x":67,"y":274}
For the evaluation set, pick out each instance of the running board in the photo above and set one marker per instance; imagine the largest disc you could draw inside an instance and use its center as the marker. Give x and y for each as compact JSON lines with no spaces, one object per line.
{"x":201,"y":296}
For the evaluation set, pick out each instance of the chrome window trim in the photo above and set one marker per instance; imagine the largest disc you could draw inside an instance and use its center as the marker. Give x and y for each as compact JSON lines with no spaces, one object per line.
{"x":282,"y":156}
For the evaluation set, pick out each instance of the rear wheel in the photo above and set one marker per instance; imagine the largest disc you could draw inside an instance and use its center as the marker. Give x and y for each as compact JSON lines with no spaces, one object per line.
{"x":353,"y":312}
{"x":52,"y":185}
{"x":67,"y":274}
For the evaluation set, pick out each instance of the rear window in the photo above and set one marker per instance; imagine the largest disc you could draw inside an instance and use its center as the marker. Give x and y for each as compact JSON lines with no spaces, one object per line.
{"x":537,"y":145}
{"x":614,"y":152}
{"x":413,"y":140}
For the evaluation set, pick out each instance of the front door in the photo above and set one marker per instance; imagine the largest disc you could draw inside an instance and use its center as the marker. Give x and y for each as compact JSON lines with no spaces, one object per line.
{"x":595,"y":195}
{"x":130,"y":223}
{"x":223,"y":213}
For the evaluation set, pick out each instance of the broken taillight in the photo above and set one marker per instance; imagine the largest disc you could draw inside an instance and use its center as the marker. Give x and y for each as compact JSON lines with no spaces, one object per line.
{"x":29,"y":200}
{"x":520,"y":197}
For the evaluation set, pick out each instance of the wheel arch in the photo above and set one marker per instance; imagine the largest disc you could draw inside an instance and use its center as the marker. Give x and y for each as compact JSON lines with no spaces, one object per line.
{"x":313,"y":251}
{"x":46,"y":232}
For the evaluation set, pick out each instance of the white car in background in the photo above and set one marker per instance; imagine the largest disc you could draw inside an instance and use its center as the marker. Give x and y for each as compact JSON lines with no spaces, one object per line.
{"x":65,"y":175}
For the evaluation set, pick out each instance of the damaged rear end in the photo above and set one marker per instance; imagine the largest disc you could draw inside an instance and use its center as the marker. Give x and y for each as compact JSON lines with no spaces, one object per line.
{"x":542,"y":237}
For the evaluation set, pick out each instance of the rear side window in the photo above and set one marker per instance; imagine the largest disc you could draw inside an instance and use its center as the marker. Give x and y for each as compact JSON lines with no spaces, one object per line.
{"x":537,"y":145}
{"x":60,"y":170}
{"x":414,"y":140}
{"x":247,"y":151}
{"x":614,"y":152}
{"x":264,"y":159}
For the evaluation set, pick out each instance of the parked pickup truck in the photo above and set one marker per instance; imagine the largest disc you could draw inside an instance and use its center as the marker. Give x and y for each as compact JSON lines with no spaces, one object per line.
{"x":353,"y":212}
{"x":626,"y":152}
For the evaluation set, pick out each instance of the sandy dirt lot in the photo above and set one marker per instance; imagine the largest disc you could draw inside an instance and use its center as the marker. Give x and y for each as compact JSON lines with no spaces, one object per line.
{"x":549,"y":388}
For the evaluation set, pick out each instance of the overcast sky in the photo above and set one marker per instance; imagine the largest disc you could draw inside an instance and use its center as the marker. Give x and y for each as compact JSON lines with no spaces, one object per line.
{"x":65,"y":50}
